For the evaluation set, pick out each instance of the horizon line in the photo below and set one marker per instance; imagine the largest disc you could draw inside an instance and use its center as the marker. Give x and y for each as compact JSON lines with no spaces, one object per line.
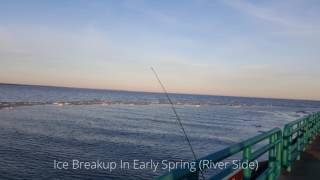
{"x":160,"y":92}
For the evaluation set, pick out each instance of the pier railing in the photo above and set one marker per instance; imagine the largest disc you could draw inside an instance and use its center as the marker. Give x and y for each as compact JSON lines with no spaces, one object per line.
{"x":283,"y":148}
{"x":274,"y":137}
{"x":296,"y":136}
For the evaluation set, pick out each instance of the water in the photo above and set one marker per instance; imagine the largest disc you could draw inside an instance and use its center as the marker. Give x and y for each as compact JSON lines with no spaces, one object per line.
{"x":41,"y":124}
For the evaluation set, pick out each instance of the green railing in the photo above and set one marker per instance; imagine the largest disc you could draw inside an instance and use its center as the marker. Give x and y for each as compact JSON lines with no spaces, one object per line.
{"x":248,"y":155}
{"x":296,"y":136}
{"x":283,"y":150}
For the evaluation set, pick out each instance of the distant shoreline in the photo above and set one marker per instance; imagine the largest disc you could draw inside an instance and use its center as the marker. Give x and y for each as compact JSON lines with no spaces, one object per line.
{"x":173,"y":93}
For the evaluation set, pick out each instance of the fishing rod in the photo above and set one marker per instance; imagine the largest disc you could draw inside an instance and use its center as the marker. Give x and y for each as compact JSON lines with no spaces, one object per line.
{"x":177,"y":118}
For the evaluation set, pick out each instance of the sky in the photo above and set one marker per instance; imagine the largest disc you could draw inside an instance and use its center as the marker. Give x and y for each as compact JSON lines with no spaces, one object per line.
{"x":219,"y":47}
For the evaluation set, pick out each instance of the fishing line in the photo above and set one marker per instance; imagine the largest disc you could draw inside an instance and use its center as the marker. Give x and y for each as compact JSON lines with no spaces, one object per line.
{"x":177,"y":118}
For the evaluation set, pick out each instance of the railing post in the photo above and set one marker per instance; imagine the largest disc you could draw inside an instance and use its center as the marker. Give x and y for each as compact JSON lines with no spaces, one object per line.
{"x":304,"y":132}
{"x":312,"y":128}
{"x":299,"y":140}
{"x":318,"y":117}
{"x":318,"y":123}
{"x":289,"y":150}
{"x":278,"y":153}
{"x":305,"y":141}
{"x":309,"y":130}
{"x":272,"y":158}
{"x":246,"y":158}
{"x":286,"y":153}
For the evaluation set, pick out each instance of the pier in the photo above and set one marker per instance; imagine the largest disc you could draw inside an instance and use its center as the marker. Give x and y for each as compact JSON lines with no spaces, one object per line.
{"x":308,"y":167}
{"x":291,"y":152}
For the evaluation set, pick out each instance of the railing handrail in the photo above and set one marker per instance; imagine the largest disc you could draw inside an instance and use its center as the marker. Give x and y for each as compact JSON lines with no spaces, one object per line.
{"x":292,"y":123}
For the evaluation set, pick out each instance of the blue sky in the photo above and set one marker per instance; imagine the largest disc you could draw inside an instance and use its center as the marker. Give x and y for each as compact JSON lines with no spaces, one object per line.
{"x":241,"y":48}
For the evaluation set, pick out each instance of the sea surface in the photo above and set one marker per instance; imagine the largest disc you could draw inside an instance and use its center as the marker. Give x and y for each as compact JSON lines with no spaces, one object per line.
{"x":40,"y":125}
